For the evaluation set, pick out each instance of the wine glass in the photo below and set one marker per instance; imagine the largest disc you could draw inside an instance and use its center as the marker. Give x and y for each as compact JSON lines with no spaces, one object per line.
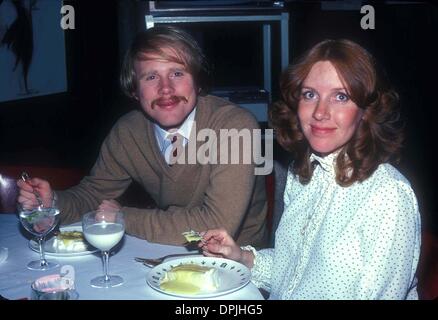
{"x":103,"y":230}
{"x":40,"y":221}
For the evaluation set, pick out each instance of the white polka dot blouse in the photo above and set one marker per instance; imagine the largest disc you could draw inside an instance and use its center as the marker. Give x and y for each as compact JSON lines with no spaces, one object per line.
{"x":333,"y":242}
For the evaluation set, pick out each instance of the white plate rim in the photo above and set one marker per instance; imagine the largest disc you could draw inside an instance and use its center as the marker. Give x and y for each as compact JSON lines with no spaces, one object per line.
{"x":222,"y":264}
{"x":34,"y":245}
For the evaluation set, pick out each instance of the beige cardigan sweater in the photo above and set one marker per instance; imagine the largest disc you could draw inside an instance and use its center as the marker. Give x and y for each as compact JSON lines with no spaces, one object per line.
{"x":188,"y":196}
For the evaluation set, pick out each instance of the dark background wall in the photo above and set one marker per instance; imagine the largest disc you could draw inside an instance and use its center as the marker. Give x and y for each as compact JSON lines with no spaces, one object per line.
{"x":67,"y":129}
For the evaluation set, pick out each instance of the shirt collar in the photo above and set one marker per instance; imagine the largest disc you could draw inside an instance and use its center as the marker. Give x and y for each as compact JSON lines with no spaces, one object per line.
{"x":184,"y":130}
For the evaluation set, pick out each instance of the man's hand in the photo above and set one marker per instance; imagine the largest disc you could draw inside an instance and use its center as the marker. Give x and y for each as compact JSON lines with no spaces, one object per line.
{"x":107,"y":210}
{"x":28,"y":190}
{"x":109,"y":205}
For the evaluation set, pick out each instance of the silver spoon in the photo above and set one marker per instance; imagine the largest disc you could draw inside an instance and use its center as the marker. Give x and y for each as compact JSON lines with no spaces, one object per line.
{"x":25,"y":177}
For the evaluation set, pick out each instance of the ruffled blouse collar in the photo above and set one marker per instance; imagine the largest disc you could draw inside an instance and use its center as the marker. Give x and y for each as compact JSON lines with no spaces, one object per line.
{"x":327,"y":163}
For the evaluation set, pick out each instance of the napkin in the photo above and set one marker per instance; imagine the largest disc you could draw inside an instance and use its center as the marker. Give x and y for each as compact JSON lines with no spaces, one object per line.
{"x":3,"y":254}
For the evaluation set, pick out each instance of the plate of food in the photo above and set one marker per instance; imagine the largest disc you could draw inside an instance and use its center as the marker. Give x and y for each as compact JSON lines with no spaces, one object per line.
{"x":69,"y":241}
{"x":198,"y":277}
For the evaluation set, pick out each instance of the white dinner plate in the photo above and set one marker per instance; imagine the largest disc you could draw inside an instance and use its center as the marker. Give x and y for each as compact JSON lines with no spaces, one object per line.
{"x":51,"y":250}
{"x":232,"y":275}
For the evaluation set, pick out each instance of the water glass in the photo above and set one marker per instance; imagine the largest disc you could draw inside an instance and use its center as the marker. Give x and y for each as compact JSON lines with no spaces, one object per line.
{"x":40,"y":222}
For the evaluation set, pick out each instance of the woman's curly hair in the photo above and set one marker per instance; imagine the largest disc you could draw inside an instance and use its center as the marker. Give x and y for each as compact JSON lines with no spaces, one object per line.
{"x":378,"y":138}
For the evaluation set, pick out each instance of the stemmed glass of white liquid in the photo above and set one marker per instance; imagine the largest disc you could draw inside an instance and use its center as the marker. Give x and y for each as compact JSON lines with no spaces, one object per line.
{"x":103,"y":230}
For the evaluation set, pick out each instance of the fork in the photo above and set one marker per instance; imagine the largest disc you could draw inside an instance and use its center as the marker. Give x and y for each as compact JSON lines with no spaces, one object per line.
{"x":26,"y":178}
{"x":152,"y":262}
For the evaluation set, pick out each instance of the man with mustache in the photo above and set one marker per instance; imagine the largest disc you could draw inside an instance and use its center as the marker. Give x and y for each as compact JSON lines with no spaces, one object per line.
{"x":164,"y":70}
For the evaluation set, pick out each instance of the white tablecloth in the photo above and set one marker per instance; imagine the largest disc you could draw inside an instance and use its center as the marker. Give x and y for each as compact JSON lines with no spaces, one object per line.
{"x":15,"y":278}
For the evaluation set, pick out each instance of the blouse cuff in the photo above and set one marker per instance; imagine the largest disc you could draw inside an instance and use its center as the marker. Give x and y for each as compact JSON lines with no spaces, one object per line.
{"x":253,"y":250}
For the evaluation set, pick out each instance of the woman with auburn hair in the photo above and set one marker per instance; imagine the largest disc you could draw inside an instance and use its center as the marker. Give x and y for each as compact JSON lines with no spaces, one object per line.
{"x":351,"y":225}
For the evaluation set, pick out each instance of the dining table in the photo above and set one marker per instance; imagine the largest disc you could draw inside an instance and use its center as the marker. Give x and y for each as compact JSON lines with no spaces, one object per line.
{"x":16,"y":278}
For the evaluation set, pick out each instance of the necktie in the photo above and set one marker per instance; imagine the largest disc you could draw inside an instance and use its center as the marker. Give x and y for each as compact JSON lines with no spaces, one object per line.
{"x":176,"y":144}
{"x":174,"y":147}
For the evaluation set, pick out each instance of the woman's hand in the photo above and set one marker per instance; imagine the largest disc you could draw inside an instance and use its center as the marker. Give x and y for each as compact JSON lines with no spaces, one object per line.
{"x":28,"y":191}
{"x":218,"y":243}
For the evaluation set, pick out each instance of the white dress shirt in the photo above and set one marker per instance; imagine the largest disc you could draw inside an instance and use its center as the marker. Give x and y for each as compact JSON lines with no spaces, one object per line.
{"x":333,"y":242}
{"x":163,"y":136}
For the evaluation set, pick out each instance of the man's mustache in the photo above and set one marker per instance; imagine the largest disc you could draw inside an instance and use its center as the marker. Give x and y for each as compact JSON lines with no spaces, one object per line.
{"x":174,"y":99}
